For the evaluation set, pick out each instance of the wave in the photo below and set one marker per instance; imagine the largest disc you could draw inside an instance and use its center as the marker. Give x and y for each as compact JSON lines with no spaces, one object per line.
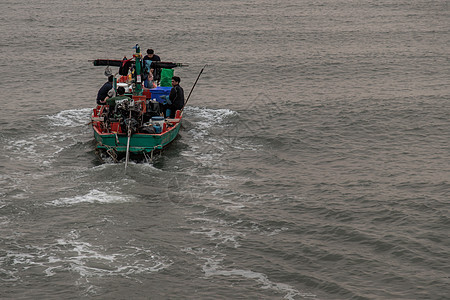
{"x":212,"y":268}
{"x":71,"y":253}
{"x":70,"y":118}
{"x":94,"y":196}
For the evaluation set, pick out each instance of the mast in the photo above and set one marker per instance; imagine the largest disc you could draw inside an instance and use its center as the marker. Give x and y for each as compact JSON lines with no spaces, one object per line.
{"x":137,"y":90}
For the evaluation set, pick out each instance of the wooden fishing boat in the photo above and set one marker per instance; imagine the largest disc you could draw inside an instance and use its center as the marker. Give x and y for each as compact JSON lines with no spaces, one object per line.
{"x":116,"y":140}
{"x":135,"y":124}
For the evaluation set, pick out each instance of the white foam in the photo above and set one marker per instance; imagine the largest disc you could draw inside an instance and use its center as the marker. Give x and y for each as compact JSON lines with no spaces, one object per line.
{"x":40,"y":148}
{"x":208,"y":118}
{"x":148,"y":166}
{"x":89,"y":260}
{"x":71,"y":253}
{"x":94,"y":196}
{"x":211,"y":116}
{"x":22,"y":146}
{"x":223,"y":235}
{"x":223,"y":232}
{"x":212,"y":268}
{"x":3,"y":220}
{"x":70,"y":118}
{"x":210,"y":145}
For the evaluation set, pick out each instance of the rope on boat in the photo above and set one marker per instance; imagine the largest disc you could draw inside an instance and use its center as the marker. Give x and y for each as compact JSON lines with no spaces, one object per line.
{"x":112,"y":152}
{"x":152,"y":152}
{"x":117,"y":139}
{"x":157,"y":147}
{"x":146,"y":157}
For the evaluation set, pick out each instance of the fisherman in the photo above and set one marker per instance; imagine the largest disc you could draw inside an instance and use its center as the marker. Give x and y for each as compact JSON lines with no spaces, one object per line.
{"x":147,"y":61}
{"x":148,"y":79}
{"x":125,"y":66}
{"x":120,"y":96}
{"x":176,"y":98}
{"x":103,"y":91}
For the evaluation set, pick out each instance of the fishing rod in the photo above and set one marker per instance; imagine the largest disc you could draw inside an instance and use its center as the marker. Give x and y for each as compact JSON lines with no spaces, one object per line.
{"x":201,"y":71}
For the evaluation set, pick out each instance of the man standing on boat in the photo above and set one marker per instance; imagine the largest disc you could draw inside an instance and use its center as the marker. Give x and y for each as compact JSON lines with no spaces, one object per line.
{"x":176,"y":97}
{"x":148,"y":59}
{"x":103,"y":91}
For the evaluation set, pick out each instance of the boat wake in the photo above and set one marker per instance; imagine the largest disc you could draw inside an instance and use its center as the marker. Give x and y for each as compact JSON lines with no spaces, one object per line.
{"x":70,"y":118}
{"x":213,"y":134}
{"x":48,"y":138}
{"x":213,"y":268}
{"x":216,"y":264}
{"x":94,"y":196}
{"x":214,"y":137}
{"x":71,"y":253}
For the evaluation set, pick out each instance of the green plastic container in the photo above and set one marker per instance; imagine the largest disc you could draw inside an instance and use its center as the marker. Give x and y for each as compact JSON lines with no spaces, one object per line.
{"x":166,"y":77}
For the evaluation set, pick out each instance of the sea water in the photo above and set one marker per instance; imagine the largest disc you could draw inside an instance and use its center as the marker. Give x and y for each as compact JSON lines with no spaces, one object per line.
{"x":312,"y":162}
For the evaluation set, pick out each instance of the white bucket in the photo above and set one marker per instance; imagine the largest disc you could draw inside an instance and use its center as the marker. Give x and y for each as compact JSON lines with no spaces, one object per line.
{"x":125,"y":86}
{"x":159,"y":121}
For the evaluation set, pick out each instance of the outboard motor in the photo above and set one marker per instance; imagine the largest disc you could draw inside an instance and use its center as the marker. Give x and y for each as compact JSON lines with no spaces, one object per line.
{"x":153,"y":108}
{"x":132,"y":122}
{"x":129,"y":114}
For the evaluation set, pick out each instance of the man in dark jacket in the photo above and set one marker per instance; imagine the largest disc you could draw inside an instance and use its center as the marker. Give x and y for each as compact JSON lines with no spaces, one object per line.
{"x":103,"y":91}
{"x":151,"y":56}
{"x":176,"y":96}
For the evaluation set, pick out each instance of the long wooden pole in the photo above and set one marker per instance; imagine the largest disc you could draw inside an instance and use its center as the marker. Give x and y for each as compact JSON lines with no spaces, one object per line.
{"x":127,"y":156}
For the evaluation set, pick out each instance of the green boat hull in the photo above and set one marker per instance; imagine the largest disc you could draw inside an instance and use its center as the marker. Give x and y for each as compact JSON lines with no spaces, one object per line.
{"x":139,"y":142}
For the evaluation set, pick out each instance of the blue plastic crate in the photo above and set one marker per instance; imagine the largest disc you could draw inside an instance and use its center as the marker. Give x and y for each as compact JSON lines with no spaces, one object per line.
{"x":160,"y":91}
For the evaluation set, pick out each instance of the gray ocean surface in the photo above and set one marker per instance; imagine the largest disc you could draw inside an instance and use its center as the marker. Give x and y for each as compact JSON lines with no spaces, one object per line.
{"x":313,"y":161}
